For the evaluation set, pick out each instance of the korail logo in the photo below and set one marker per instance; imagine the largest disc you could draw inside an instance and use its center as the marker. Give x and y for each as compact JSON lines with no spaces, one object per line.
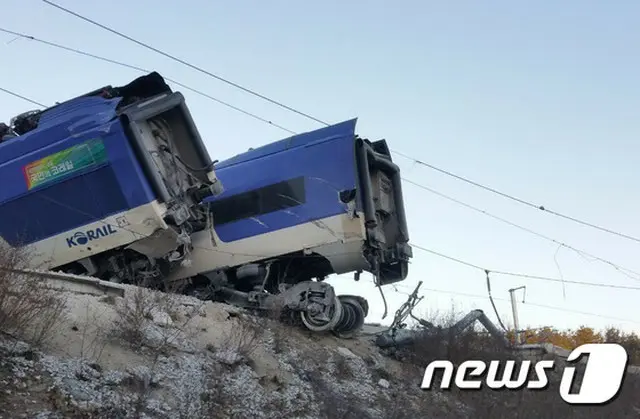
{"x":82,"y":238}
{"x":601,"y":383}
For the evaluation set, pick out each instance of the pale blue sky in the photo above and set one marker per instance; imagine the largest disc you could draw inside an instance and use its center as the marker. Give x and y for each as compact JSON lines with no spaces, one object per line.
{"x":536,"y":100}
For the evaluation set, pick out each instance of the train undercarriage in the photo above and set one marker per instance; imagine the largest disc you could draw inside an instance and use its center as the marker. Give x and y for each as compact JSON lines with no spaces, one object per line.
{"x":283,"y":287}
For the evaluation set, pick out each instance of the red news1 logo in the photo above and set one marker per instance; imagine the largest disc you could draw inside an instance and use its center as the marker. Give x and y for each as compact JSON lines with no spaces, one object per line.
{"x":602,"y":380}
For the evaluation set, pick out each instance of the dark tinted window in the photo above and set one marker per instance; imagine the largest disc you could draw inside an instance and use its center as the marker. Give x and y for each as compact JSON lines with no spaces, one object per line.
{"x":260,"y":201}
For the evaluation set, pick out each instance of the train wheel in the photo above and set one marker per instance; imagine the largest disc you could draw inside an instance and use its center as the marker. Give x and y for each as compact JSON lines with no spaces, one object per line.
{"x":318,"y":324}
{"x":352,"y":318}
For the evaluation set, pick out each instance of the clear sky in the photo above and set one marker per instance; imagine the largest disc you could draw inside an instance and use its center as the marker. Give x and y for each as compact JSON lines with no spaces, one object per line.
{"x":537,"y":100}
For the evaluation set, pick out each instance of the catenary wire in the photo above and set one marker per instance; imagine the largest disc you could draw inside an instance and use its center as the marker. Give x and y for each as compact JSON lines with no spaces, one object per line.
{"x":19,"y":96}
{"x":524,"y":275}
{"x":619,"y":268}
{"x":143,"y":70}
{"x":516,"y":199}
{"x":181,"y":61}
{"x":293,"y":132}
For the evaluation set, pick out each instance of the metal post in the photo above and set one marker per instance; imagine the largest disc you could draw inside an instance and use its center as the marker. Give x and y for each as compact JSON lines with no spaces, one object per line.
{"x":514,"y":308}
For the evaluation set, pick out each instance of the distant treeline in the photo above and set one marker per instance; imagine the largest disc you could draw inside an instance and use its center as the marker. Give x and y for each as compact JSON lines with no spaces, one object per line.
{"x":570,"y":339}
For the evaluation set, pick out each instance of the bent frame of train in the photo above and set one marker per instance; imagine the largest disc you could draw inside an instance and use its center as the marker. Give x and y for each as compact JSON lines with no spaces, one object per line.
{"x":148,"y":205}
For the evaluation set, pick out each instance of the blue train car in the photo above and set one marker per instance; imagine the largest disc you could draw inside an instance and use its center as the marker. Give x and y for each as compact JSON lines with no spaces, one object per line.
{"x":317,"y":203}
{"x":90,"y":176}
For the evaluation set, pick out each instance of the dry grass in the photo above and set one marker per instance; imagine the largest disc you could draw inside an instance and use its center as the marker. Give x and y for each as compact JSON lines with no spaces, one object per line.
{"x":29,"y":309}
{"x":214,"y":400}
{"x":148,"y":321}
{"x":132,"y":318}
{"x":281,"y":324}
{"x":94,"y":337}
{"x":333,"y":404}
{"x":244,"y":336}
{"x":135,"y":314}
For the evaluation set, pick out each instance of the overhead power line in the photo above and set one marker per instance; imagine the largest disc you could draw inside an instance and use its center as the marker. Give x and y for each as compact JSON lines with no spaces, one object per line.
{"x":143,"y":70}
{"x":253,"y":92}
{"x":524,"y":275}
{"x":181,"y":61}
{"x":619,"y":268}
{"x":12,"y":93}
{"x":586,"y":313}
{"x":513,"y":198}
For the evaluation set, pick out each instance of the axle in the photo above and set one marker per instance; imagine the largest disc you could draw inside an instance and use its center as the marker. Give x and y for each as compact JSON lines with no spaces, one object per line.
{"x":314,"y":304}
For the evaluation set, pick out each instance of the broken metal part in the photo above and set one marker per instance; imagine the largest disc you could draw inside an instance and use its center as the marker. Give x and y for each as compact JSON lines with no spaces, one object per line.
{"x":403,"y":337}
{"x":397,"y":335}
{"x":406,"y":309}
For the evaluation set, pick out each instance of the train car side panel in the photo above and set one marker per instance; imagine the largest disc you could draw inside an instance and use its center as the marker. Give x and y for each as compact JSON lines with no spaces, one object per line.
{"x":69,"y":183}
{"x":286,"y":184}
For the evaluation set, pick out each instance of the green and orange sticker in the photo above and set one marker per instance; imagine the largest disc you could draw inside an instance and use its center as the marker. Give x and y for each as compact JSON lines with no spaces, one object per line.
{"x":65,"y":162}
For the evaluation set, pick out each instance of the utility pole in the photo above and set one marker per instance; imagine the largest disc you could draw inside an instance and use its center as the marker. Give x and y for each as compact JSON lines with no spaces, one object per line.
{"x":514,"y":308}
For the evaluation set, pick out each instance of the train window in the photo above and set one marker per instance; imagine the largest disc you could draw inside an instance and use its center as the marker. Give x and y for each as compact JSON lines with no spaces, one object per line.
{"x":274,"y":197}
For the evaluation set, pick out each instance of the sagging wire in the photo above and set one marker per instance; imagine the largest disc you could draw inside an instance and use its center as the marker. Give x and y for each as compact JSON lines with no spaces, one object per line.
{"x":384,"y":300}
{"x":495,"y":309}
{"x":555,"y":260}
{"x":379,"y":285}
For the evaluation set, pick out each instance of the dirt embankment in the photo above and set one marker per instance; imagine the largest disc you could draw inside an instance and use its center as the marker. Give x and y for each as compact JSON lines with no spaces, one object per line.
{"x":167,"y":356}
{"x":154,"y":355}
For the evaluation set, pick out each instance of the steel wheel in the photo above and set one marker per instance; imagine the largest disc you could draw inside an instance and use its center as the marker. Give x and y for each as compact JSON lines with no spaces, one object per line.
{"x":321,"y":325}
{"x":352,"y":319}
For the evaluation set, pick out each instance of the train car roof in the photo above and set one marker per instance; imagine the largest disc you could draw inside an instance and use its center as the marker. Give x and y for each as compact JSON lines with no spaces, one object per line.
{"x":80,"y":114}
{"x":60,"y":122}
{"x":341,"y":129}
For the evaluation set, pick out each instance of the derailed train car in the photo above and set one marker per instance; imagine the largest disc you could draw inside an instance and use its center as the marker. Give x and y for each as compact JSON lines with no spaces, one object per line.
{"x":300,"y":209}
{"x":118,"y":185}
